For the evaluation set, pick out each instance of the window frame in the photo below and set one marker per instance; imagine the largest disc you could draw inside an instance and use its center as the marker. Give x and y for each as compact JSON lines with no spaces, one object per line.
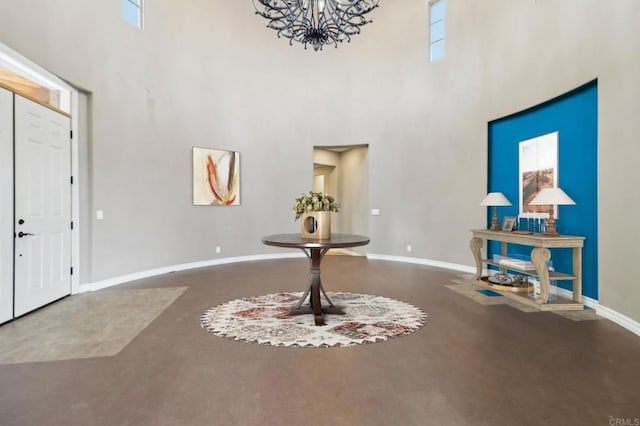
{"x":128,"y":6}
{"x":440,"y":42}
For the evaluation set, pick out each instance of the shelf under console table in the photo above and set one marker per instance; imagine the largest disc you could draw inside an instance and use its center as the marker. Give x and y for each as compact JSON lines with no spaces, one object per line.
{"x":540,"y":255}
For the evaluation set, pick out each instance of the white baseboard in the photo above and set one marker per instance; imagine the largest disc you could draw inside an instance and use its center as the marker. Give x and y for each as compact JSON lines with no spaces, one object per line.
{"x":607,"y":313}
{"x":603,"y":311}
{"x":421,"y":261}
{"x":568,"y":294}
{"x":99,"y":285}
{"x":618,"y":318}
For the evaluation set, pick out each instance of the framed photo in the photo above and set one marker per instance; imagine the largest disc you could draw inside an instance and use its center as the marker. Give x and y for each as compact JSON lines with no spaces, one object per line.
{"x":508,"y":222}
{"x":538,"y":169}
{"x":216,"y":177}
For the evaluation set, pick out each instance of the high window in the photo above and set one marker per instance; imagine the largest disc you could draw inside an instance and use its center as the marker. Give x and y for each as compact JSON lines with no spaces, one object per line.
{"x":437,"y":12}
{"x":132,"y":12}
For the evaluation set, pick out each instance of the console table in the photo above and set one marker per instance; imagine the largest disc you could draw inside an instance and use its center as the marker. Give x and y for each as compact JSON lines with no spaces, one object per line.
{"x":315,"y":249}
{"x":540,"y":255}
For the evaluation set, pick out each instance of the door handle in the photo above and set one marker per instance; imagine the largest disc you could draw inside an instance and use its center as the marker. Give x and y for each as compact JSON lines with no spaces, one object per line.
{"x":23,"y":234}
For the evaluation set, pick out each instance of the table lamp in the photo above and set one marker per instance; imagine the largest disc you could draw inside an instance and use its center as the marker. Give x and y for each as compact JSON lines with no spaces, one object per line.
{"x":552,"y":197}
{"x":495,"y":199}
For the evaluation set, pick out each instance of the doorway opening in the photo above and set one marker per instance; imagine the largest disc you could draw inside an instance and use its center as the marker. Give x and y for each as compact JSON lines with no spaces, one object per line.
{"x":39,"y":203}
{"x":343,"y":172}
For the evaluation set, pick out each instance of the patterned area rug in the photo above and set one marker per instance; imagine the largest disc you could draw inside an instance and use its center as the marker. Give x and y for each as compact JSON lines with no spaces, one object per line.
{"x":264,"y":320}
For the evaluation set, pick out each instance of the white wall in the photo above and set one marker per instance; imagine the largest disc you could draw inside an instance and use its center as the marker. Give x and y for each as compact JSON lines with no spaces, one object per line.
{"x":354,"y":165}
{"x":208,"y":73}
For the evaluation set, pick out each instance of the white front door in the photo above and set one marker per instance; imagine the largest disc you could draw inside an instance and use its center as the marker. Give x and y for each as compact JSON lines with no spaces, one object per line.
{"x":42,"y":206}
{"x":6,"y":205}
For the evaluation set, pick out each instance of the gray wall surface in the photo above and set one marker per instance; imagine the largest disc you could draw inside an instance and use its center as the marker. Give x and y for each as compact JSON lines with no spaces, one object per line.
{"x":208,"y":73}
{"x":347,"y":175}
{"x":355,"y":191}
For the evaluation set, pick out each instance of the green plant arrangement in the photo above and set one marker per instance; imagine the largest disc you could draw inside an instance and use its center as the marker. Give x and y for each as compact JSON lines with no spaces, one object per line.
{"x":315,"y":202}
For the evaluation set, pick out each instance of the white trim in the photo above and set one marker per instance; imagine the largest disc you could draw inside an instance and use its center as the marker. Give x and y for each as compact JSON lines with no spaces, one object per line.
{"x":607,"y":313}
{"x":99,"y":285}
{"x":421,"y":261}
{"x":75,"y":192}
{"x":24,"y":66}
{"x":41,"y":75}
{"x":568,"y":294}
{"x":618,"y":318}
{"x":603,"y":311}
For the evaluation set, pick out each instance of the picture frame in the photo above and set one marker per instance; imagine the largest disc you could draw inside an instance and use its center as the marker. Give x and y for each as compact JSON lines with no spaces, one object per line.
{"x":216,"y":177}
{"x":537,"y":169}
{"x":508,"y":222}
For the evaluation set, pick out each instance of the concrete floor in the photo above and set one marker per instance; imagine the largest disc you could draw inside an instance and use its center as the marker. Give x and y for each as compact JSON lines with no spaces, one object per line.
{"x":472,"y":364}
{"x":84,"y":326}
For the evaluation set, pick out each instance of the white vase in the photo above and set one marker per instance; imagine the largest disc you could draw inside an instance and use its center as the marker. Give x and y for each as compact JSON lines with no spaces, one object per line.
{"x":316,"y":225}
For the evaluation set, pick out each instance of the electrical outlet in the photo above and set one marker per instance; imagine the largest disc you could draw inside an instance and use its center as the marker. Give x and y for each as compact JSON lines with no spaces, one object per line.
{"x":218,"y":249}
{"x":375,"y":212}
{"x":409,"y":248}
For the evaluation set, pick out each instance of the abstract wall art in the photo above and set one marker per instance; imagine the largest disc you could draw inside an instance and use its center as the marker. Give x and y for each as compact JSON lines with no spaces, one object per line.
{"x":216,"y":177}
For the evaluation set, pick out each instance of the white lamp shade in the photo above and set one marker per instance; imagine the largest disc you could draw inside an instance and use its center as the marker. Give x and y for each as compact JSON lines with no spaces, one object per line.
{"x":495,"y":199}
{"x":552,"y":196}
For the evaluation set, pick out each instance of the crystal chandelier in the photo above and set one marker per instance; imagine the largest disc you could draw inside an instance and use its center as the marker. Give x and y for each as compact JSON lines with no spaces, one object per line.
{"x":315,"y":22}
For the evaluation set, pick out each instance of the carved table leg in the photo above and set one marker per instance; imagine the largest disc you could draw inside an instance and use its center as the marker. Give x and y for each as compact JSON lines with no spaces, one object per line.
{"x":540,"y":256}
{"x":476,"y":247}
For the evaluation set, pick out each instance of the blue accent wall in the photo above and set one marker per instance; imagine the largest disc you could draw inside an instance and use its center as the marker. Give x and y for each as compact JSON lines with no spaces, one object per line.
{"x":575,"y":116}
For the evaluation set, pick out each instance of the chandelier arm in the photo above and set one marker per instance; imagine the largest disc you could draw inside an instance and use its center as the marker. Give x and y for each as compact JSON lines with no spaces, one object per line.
{"x":277,"y":10}
{"x":279,"y":20}
{"x":316,"y":22}
{"x":268,"y":5}
{"x":350,"y":21}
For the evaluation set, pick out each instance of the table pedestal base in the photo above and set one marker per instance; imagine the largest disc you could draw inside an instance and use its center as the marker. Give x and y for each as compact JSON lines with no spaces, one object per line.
{"x":315,"y":249}
{"x":314,"y":288}
{"x":307,"y":309}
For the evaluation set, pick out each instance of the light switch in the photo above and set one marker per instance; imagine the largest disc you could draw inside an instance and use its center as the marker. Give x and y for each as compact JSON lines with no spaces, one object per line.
{"x":99,"y":214}
{"x":375,"y":212}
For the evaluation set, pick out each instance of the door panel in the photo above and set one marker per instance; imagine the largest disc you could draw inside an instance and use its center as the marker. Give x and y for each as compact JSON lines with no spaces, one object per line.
{"x":33,"y":246}
{"x":43,"y":202}
{"x":6,"y":205}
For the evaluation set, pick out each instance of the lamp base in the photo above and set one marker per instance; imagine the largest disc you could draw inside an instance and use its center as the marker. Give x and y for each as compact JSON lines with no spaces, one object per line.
{"x":494,"y":220}
{"x":551,"y":228}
